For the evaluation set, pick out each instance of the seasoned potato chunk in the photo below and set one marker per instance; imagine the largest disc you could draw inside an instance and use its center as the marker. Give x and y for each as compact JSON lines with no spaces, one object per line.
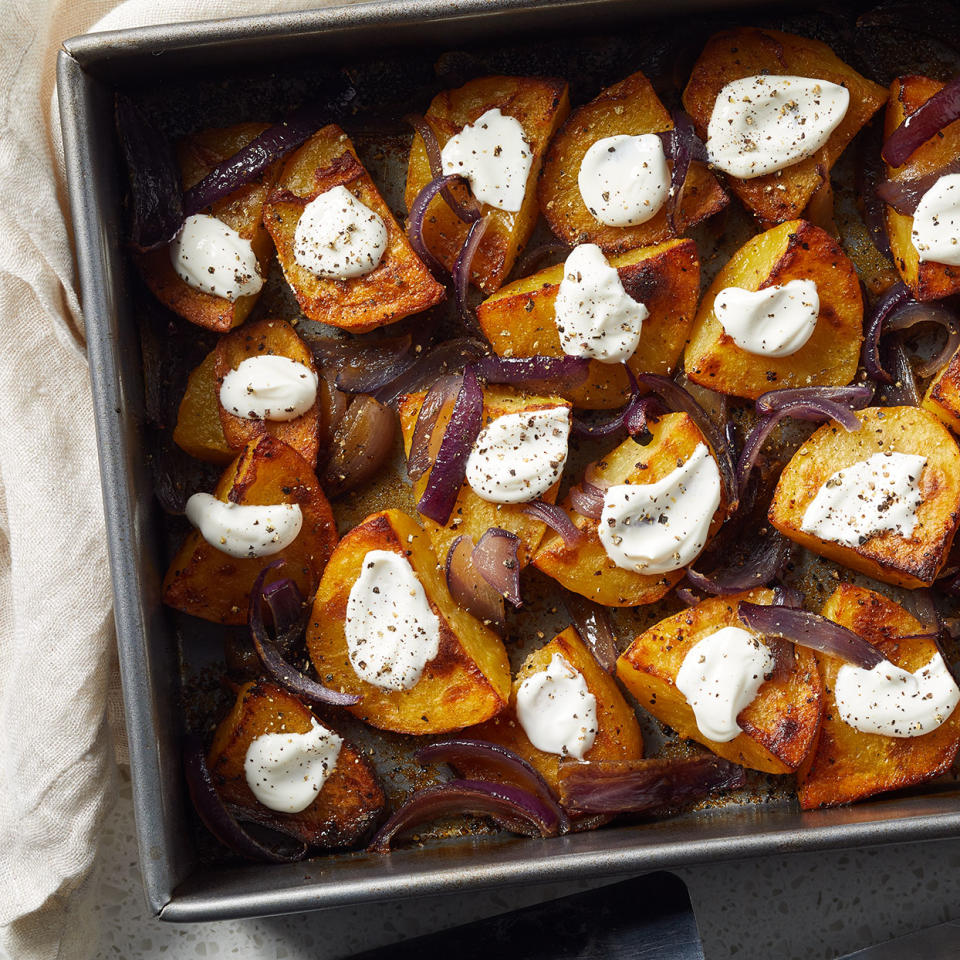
{"x":791,"y":251}
{"x":748,"y":51}
{"x":942,"y":398}
{"x":847,"y":764}
{"x":519,"y":320}
{"x":926,"y":280}
{"x":347,"y":805}
{"x":397,"y":287}
{"x":779,"y":726}
{"x":207,"y":583}
{"x":540,"y":105}
{"x":585,"y":567}
{"x":909,"y":561}
{"x":467,"y":683}
{"x":242,"y":210}
{"x":629,"y":107}
{"x":198,"y":430}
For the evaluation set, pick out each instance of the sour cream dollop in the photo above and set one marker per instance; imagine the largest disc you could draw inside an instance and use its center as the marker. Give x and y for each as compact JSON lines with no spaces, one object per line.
{"x":286,"y":771}
{"x":936,"y":222}
{"x":557,"y":711}
{"x":762,"y":124}
{"x":894,"y":702}
{"x":775,"y":322}
{"x":720,"y":676}
{"x":212,"y":257}
{"x":657,"y":527}
{"x":595,"y":316}
{"x":269,"y":387}
{"x":519,"y":456}
{"x":494,"y":155}
{"x":624,"y":180}
{"x":392,"y":632}
{"x":339,"y":237}
{"x":876,"y":495}
{"x":243,"y":529}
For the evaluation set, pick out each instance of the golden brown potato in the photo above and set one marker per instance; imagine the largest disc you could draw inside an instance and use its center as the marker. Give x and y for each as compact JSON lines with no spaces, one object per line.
{"x":748,"y":51}
{"x":584,"y":567}
{"x":347,"y":805}
{"x":242,"y":210}
{"x":399,"y":286}
{"x":540,"y":104}
{"x":628,"y":107}
{"x":791,"y":251}
{"x":466,"y":683}
{"x":198,"y":430}
{"x":519,"y":320}
{"x":911,"y":561}
{"x":846,"y":764}
{"x":927,"y":280}
{"x":942,"y":398}
{"x":779,"y":726}
{"x":207,"y":583}
{"x":255,"y":339}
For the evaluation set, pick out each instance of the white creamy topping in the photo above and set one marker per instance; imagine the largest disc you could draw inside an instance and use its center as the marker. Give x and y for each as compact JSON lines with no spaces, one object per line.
{"x":338,"y":236}
{"x":269,"y":387}
{"x":624,"y":180}
{"x":894,"y":702}
{"x":557,"y":711}
{"x":720,"y":676}
{"x":761,"y":124}
{"x":286,"y":771}
{"x":392,"y":632}
{"x":662,"y":526}
{"x":936,"y":222}
{"x":493,"y":154}
{"x":876,"y":495}
{"x":595,"y":316}
{"x":243,"y":529}
{"x":212,"y":257}
{"x":519,"y":456}
{"x":775,"y":321}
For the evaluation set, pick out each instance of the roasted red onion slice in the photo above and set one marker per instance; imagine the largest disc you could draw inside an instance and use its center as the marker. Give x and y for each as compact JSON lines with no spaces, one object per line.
{"x":592,"y":623}
{"x":556,"y":518}
{"x":532,"y":259}
{"x":451,"y":356}
{"x":925,"y":122}
{"x":464,"y":264}
{"x":902,"y":390}
{"x":373,"y":365}
{"x":764,"y":563}
{"x":912,"y":313}
{"x":443,"y":391}
{"x":684,"y":144}
{"x":526,"y":370}
{"x":587,"y":500}
{"x":288,"y":611}
{"x":418,"y":210}
{"x":470,"y":588}
{"x":467,"y":212}
{"x":904,"y":195}
{"x":856,"y":396}
{"x":897,"y":296}
{"x":362,"y":443}
{"x":687,"y":596}
{"x":497,"y":558}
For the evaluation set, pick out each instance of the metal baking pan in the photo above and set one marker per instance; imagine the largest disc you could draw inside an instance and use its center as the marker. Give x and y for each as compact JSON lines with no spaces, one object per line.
{"x":274,"y":60}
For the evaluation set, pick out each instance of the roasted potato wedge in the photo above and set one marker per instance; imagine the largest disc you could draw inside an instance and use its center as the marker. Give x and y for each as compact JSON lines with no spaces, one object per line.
{"x":942,"y":398}
{"x":847,"y":764}
{"x":400,"y":285}
{"x":540,"y":104}
{"x":198,"y":430}
{"x":467,"y":683}
{"x":747,"y":51}
{"x":927,"y":280}
{"x":779,"y":726}
{"x":911,"y":561}
{"x":791,"y":251}
{"x":585,"y":567}
{"x":628,"y":107}
{"x":242,"y":210}
{"x":210,"y":584}
{"x":347,"y":805}
{"x":519,"y":320}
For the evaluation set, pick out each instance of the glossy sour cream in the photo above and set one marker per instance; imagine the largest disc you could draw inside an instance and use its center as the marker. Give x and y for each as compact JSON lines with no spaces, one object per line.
{"x":269,"y":387}
{"x":720,"y":676}
{"x":775,"y":322}
{"x":392,"y":632}
{"x":242,"y":529}
{"x":212,"y":257}
{"x":286,"y":771}
{"x":876,"y":495}
{"x":339,"y":237}
{"x":662,"y":526}
{"x":624,"y":180}
{"x":493,"y":154}
{"x":595,"y":316}
{"x":519,"y":456}
{"x":761,"y":124}
{"x":557,"y":711}
{"x":936,"y":222}
{"x":894,"y":702}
